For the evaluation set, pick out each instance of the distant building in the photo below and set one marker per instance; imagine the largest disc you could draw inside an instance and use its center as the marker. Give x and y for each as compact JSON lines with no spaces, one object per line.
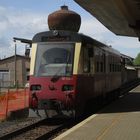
{"x":11,"y":76}
{"x":138,"y":69}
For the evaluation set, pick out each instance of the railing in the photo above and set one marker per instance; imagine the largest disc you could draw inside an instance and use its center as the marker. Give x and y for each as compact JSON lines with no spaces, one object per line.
{"x":11,"y":84}
{"x":11,"y":100}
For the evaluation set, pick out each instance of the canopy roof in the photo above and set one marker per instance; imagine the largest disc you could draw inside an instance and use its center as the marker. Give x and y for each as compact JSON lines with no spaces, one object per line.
{"x":120,"y":16}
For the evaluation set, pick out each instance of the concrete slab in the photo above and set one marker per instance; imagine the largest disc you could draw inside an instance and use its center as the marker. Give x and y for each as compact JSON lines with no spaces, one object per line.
{"x":118,"y":121}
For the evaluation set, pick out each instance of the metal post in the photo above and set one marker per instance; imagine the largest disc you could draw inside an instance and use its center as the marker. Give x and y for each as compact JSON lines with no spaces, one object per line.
{"x":15,"y":66}
{"x":7,"y":100}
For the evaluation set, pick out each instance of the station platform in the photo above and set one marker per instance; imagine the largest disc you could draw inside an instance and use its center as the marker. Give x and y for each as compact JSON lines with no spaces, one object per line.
{"x":119,"y":120}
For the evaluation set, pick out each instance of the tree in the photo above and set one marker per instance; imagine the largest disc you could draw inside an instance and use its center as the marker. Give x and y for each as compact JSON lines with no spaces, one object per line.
{"x":137,"y":60}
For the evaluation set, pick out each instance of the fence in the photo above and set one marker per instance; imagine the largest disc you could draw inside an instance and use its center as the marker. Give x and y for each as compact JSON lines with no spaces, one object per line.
{"x":11,"y":100}
{"x":11,"y":84}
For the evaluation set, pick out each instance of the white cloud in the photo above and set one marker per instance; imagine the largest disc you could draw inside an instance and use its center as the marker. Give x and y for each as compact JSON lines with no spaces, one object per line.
{"x":126,"y":42}
{"x":26,"y":24}
{"x":15,"y":23}
{"x":93,"y":28}
{"x":127,"y":45}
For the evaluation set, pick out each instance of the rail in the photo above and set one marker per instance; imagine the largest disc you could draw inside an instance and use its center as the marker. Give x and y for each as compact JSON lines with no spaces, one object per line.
{"x":50,"y":127}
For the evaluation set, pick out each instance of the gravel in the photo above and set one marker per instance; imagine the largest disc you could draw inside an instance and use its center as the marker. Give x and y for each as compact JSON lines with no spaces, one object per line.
{"x":9,"y":126}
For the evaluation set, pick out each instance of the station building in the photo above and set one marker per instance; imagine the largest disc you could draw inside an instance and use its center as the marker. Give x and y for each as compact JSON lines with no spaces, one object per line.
{"x":14,"y":71}
{"x":138,"y":69}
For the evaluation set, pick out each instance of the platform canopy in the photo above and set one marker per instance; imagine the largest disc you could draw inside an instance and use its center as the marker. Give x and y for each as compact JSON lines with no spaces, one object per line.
{"x":120,"y":16}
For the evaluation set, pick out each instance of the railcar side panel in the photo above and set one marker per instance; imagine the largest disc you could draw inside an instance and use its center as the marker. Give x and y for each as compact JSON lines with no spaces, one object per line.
{"x":71,"y":70}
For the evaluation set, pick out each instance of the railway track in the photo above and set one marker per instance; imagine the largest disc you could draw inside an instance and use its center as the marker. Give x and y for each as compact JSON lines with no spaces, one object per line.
{"x":43,"y":129}
{"x":48,"y":128}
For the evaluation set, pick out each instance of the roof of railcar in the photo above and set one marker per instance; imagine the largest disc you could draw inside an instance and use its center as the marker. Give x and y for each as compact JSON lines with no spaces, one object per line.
{"x":71,"y":36}
{"x":99,"y":44}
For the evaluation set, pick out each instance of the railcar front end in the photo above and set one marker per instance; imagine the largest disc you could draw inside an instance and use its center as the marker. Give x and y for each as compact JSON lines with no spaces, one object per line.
{"x":53,"y":78}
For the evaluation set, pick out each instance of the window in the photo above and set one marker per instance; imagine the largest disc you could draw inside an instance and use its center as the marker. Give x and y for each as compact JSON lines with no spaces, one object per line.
{"x":28,"y":78}
{"x":54,"y":59}
{"x":86,"y":61}
{"x":4,"y":78}
{"x":88,"y":56}
{"x":101,"y":66}
{"x":27,"y":74}
{"x":97,"y":66}
{"x":110,"y":67}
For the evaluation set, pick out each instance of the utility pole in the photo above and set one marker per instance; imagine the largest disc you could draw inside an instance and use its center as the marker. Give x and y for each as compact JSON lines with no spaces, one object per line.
{"x":22,"y":40}
{"x":15,"y":66}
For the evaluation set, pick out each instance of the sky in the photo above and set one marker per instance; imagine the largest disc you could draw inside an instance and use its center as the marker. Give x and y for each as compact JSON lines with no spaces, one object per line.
{"x":25,"y":18}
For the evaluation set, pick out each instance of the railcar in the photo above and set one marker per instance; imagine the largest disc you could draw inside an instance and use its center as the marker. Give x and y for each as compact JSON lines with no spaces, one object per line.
{"x":129,"y":72}
{"x":70,"y":70}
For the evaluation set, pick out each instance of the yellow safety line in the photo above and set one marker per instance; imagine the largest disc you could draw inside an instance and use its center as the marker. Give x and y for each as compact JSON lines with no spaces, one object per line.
{"x":74,"y":128}
{"x":105,"y":131}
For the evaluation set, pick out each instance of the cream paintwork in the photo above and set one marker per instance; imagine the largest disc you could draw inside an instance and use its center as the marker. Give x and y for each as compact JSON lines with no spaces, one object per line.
{"x":33,"y":58}
{"x":76,"y":57}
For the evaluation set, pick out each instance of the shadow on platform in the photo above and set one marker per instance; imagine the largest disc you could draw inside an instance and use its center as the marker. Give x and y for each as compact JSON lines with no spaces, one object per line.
{"x":127,"y":103}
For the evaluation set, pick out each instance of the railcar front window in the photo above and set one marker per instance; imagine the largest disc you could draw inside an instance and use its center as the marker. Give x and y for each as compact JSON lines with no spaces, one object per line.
{"x":54,"y":60}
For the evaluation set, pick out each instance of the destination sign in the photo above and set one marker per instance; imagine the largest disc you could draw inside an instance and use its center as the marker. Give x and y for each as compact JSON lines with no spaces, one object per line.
{"x":55,"y":38}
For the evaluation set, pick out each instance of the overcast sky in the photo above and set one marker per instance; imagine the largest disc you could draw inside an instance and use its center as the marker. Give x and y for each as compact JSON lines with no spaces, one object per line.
{"x":25,"y":18}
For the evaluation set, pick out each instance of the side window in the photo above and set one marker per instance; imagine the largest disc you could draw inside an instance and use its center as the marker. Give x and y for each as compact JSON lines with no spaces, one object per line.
{"x":100,"y":61}
{"x":97,"y":66}
{"x":101,"y":67}
{"x":88,"y":54}
{"x":110,"y":67}
{"x":86,"y":61}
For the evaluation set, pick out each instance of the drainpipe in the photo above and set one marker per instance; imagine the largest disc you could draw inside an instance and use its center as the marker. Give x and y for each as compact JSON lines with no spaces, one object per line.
{"x":15,"y":66}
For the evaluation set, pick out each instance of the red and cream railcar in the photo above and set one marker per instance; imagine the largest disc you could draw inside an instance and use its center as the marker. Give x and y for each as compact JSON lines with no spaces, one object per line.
{"x":129,"y":72}
{"x":69,"y":70}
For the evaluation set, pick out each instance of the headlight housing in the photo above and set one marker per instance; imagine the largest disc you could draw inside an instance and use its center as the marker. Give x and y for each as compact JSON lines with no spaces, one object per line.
{"x":67,"y":87}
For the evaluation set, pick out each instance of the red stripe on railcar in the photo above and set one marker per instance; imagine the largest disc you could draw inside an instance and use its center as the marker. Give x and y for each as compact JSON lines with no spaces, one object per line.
{"x":62,"y":89}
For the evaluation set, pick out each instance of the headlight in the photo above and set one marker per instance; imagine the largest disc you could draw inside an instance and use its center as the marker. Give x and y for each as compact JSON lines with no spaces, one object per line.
{"x":67,"y":87}
{"x":35,"y":87}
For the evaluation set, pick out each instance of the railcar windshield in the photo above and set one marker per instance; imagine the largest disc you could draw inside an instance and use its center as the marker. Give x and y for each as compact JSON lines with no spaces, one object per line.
{"x":54,"y":59}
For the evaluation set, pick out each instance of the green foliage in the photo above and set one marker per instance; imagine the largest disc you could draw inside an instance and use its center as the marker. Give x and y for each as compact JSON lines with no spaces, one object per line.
{"x":137,"y":60}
